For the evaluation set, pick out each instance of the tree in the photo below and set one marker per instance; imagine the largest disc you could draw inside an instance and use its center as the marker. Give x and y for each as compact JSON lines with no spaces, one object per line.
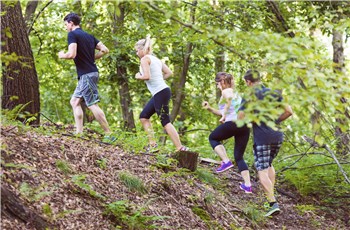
{"x":20,"y":81}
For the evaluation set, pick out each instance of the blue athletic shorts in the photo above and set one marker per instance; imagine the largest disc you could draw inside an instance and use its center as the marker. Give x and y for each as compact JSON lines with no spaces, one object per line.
{"x":87,"y":88}
{"x":264,"y":155}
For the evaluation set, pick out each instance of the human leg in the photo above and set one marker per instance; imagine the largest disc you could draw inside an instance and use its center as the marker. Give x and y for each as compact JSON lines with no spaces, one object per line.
{"x":173,"y":134}
{"x":145,"y":116}
{"x":222,"y":132}
{"x":264,"y":155}
{"x":78,"y":114}
{"x":241,"y":140}
{"x":267,"y":185}
{"x":88,"y":90}
{"x":272,"y":174}
{"x":161,"y":105}
{"x":100,"y":117}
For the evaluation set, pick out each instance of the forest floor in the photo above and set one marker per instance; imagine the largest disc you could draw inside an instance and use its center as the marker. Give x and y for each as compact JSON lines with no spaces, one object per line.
{"x":70,"y":182}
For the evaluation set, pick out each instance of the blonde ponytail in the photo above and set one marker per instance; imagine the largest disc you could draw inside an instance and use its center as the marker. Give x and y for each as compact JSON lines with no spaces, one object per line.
{"x":145,"y":44}
{"x":148,"y":46}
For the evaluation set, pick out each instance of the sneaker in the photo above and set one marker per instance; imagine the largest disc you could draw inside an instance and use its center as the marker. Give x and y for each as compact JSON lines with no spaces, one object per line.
{"x":151,"y":148}
{"x":246,"y":189}
{"x":224,"y":167}
{"x":183,"y":148}
{"x":275,"y":209}
{"x":109,"y":139}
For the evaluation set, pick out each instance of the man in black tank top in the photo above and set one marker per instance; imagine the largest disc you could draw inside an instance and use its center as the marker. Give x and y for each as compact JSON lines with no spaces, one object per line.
{"x":81,"y":48}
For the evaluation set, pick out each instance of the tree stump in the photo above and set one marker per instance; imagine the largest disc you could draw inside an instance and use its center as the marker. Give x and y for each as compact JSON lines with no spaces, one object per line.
{"x":12,"y":205}
{"x":187,"y":159}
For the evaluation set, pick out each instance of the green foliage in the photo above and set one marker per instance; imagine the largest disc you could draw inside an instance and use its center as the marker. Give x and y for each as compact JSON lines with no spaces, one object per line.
{"x":133,"y":183}
{"x":317,"y":175}
{"x":301,"y":67}
{"x":80,"y":182}
{"x":204,"y":215}
{"x":126,"y":216}
{"x":33,"y":194}
{"x":18,"y":113}
{"x":255,"y":215}
{"x":46,"y":208}
{"x":207,"y":177}
{"x":102,"y":163}
{"x":165,"y":163}
{"x":64,"y":166}
{"x":303,"y":209}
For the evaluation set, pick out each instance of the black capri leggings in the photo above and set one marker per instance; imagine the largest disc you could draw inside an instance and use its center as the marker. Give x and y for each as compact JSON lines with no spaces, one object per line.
{"x":227,"y":130}
{"x":159,"y":104}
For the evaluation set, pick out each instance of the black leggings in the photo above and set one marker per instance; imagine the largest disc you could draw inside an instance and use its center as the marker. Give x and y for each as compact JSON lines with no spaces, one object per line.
{"x":227,"y":130}
{"x":159,"y":104}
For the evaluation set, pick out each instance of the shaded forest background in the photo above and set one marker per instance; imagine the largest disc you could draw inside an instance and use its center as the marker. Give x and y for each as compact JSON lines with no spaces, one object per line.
{"x":283,"y":40}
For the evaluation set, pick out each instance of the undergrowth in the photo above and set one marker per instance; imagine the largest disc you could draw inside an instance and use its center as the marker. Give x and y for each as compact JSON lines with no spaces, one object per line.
{"x":127,"y":215}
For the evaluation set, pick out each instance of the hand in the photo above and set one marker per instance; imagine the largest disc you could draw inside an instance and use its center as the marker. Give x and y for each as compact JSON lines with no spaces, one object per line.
{"x":205,"y":105}
{"x":223,"y":118}
{"x":138,"y":75}
{"x":61,"y":54}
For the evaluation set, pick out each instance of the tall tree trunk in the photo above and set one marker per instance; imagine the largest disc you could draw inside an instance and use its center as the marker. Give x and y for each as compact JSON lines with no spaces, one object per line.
{"x":20,"y":81}
{"x":122,"y":75}
{"x":29,"y":14}
{"x":180,"y":86}
{"x":219,"y":67}
{"x":280,"y":24}
{"x":338,"y":59}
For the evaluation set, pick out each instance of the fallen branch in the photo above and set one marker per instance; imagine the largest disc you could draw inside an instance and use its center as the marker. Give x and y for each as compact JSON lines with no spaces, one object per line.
{"x":11,"y":204}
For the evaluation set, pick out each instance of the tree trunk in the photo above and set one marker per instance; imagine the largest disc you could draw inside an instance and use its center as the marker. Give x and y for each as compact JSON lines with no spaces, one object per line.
{"x":20,"y":81}
{"x":280,"y":24}
{"x":28,"y":16}
{"x":180,"y":86}
{"x":338,"y":59}
{"x":122,"y":75}
{"x":124,"y":94}
{"x":12,"y":205}
{"x":179,"y":91}
{"x":219,"y":67}
{"x":187,"y":159}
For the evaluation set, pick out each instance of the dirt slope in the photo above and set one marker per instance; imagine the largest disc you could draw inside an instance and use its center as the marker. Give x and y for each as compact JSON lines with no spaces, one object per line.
{"x":69,"y":181}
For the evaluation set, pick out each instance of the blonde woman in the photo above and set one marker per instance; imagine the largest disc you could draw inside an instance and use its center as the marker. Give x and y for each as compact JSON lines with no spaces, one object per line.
{"x":154,"y":72}
{"x":228,"y":108}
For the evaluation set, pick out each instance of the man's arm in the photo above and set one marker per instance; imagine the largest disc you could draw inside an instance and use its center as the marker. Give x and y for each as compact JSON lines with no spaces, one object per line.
{"x":287,"y":113}
{"x":72,"y":52}
{"x":102,"y":50}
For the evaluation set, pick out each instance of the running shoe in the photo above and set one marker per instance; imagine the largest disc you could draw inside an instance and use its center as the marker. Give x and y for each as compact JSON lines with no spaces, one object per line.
{"x":224,"y":166}
{"x":274,"y":210}
{"x":246,"y":189}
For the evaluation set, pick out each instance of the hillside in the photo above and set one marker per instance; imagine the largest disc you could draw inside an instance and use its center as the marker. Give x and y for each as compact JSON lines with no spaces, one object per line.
{"x":70,"y":181}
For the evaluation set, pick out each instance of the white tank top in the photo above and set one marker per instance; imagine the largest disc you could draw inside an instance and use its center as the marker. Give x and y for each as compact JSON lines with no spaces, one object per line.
{"x":156,"y":82}
{"x":231,"y":114}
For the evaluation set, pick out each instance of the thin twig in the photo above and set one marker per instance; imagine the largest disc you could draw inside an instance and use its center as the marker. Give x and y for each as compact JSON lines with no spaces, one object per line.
{"x":57,"y":126}
{"x":230,"y":214}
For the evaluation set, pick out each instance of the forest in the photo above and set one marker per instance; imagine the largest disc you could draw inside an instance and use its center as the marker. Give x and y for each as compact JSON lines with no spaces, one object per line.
{"x":301,"y":48}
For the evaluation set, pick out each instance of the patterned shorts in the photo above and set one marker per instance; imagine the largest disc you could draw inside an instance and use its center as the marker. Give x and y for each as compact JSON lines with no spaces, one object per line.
{"x":87,"y":88}
{"x":264,"y":155}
